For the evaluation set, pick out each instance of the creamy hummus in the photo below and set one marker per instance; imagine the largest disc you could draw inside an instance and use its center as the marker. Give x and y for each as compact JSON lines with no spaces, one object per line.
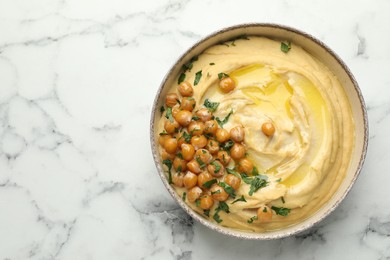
{"x":308,"y":156}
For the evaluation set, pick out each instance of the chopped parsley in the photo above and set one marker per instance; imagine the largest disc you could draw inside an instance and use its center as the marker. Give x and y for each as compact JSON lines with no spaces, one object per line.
{"x":188,"y":66}
{"x":208,"y":184}
{"x":217,"y":166}
{"x":216,"y":192}
{"x":285,"y":47}
{"x":198,"y":76}
{"x":186,"y":136}
{"x":229,"y":189}
{"x":195,"y":118}
{"x":265,"y":209}
{"x":231,"y":171}
{"x":216,"y":217}
{"x":255,"y":171}
{"x":168,"y":114}
{"x":257,"y":182}
{"x":179,"y":169}
{"x":250,"y":221}
{"x":163,"y":133}
{"x":225,"y":120}
{"x":197,"y":202}
{"x":184,"y":196}
{"x":227,"y":145}
{"x":162,"y":109}
{"x":206,"y":212}
{"x":283,"y":200}
{"x":281,"y":211}
{"x":221,"y":206}
{"x":181,"y":78}
{"x":240,"y":199}
{"x":168,"y":163}
{"x":243,"y":37}
{"x":201,"y":163}
{"x":211,"y":106}
{"x":279,"y":180}
{"x":222,"y":75}
{"x":211,"y":63}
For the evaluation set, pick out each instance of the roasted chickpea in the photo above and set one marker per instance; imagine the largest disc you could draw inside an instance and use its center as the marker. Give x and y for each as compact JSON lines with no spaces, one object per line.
{"x":196,"y":127}
{"x":204,"y":177}
{"x":204,"y":114}
{"x":188,"y":103}
{"x":268,"y":129}
{"x":194,"y":167}
{"x":237,"y":134}
{"x":216,"y":169}
{"x":179,"y":164}
{"x":222,"y":135}
{"x":206,"y":202}
{"x":233,"y":181}
{"x":237,"y":151}
{"x":194,"y":194}
{"x":190,"y":180}
{"x":188,"y":152}
{"x":165,"y":155}
{"x":227,"y":84}
{"x":171,"y":99}
{"x":218,"y":193}
{"x":185,"y":89}
{"x":171,"y":127}
{"x":198,"y":141}
{"x":184,"y":117}
{"x":264,"y":214}
{"x":223,"y":157}
{"x":210,"y":127}
{"x":175,"y":110}
{"x":170,"y":145}
{"x":204,"y":155}
{"x":245,"y":165}
{"x":177,"y":179}
{"x":162,"y":138}
{"x":212,"y":146}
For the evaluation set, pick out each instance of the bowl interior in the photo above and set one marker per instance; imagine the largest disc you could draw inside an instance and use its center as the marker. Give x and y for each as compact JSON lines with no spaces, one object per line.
{"x":316,"y":49}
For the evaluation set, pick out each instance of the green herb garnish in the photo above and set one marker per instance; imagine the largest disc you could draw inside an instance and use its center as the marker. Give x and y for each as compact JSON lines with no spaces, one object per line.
{"x":231,"y":171}
{"x":181,"y":78}
{"x":195,"y":118}
{"x":201,"y":163}
{"x":257,"y":182}
{"x":178,"y":169}
{"x":187,"y":137}
{"x":221,"y":206}
{"x":208,"y":184}
{"x":222,"y":75}
{"x":163,"y":133}
{"x":211,"y":63}
{"x":279,"y":180}
{"x":168,"y":163}
{"x":197,"y":202}
{"x":217,"y":166}
{"x":206,"y":212}
{"x":227,"y":145}
{"x":255,"y":171}
{"x":229,"y":189}
{"x":281,"y":211}
{"x":265,"y":209}
{"x":198,"y":75}
{"x":225,"y":120}
{"x":216,"y":217}
{"x":162,"y":109}
{"x":211,"y":106}
{"x":184,"y":196}
{"x":168,"y":114}
{"x":240,"y":199}
{"x":252,"y":219}
{"x":188,"y":66}
{"x":216,"y":192}
{"x":283,"y":200}
{"x":285,"y":47}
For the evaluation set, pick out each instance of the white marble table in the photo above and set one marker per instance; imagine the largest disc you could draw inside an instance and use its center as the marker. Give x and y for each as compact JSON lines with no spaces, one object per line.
{"x":77,"y":82}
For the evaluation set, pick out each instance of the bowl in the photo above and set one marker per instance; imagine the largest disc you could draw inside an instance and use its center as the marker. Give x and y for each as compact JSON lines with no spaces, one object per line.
{"x":320,"y":51}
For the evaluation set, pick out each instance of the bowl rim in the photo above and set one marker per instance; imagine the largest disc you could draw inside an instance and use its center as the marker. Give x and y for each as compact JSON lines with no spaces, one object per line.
{"x":265,"y":235}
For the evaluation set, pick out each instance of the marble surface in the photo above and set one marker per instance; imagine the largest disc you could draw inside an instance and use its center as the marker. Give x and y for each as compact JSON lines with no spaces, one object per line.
{"x":77,"y":82}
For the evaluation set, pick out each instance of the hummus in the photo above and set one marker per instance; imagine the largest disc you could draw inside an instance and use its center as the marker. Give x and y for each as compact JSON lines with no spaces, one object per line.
{"x":307,"y":157}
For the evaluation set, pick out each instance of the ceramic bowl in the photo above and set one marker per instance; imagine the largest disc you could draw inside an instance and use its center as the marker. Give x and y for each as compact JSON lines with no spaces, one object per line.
{"x":318,"y":50}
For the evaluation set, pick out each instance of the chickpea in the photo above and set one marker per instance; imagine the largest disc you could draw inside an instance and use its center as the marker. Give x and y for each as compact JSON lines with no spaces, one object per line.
{"x":227,"y":84}
{"x":180,"y":138}
{"x":188,"y":151}
{"x":206,"y":202}
{"x":204,"y":114}
{"x":268,"y":129}
{"x":245,"y":165}
{"x":194,"y":167}
{"x":177,"y":179}
{"x":170,"y":145}
{"x":212,"y":146}
{"x":171,"y":127}
{"x":237,"y":134}
{"x":204,"y":155}
{"x":196,"y":127}
{"x":233,"y":181}
{"x":185,"y":89}
{"x":175,"y":110}
{"x":264,"y":214}
{"x":184,"y":117}
{"x":171,"y":99}
{"x":204,"y":177}
{"x":162,"y":138}
{"x":188,"y":103}
{"x":237,"y":151}
{"x":218,"y":193}
{"x":165,"y":155}
{"x":199,"y":141}
{"x":211,"y":127}
{"x":179,"y":164}
{"x":216,"y":169}
{"x":190,"y":180}
{"x":194,"y":194}
{"x":222,"y":135}
{"x":223,"y":157}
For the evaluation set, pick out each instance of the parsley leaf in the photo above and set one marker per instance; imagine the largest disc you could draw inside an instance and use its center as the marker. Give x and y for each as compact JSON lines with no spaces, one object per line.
{"x":168,"y":163}
{"x":217,"y":166}
{"x":216,"y":192}
{"x":240,"y":199}
{"x":255,"y":171}
{"x":181,"y":78}
{"x":198,"y":75}
{"x":208,"y":184}
{"x":281,"y":211}
{"x":195,"y":118}
{"x":201,"y":163}
{"x":163,"y":133}
{"x":231,"y":171}
{"x":188,"y":66}
{"x":252,"y":219}
{"x":222,"y":75}
{"x":283,"y":200}
{"x":168,"y":114}
{"x":257,"y":182}
{"x":227,"y":145}
{"x":279,"y":180}
{"x":229,"y":189}
{"x":197,"y":202}
{"x":211,"y":63}
{"x":211,"y":106}
{"x":206,"y":212}
{"x":285,"y":47}
{"x":162,"y":109}
{"x":225,"y":120}
{"x":187,"y":137}
{"x":216,"y":217}
{"x":223,"y":206}
{"x":184,"y":196}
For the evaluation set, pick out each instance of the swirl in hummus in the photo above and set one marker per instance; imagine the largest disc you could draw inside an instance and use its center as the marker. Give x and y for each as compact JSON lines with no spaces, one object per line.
{"x":297,"y":167}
